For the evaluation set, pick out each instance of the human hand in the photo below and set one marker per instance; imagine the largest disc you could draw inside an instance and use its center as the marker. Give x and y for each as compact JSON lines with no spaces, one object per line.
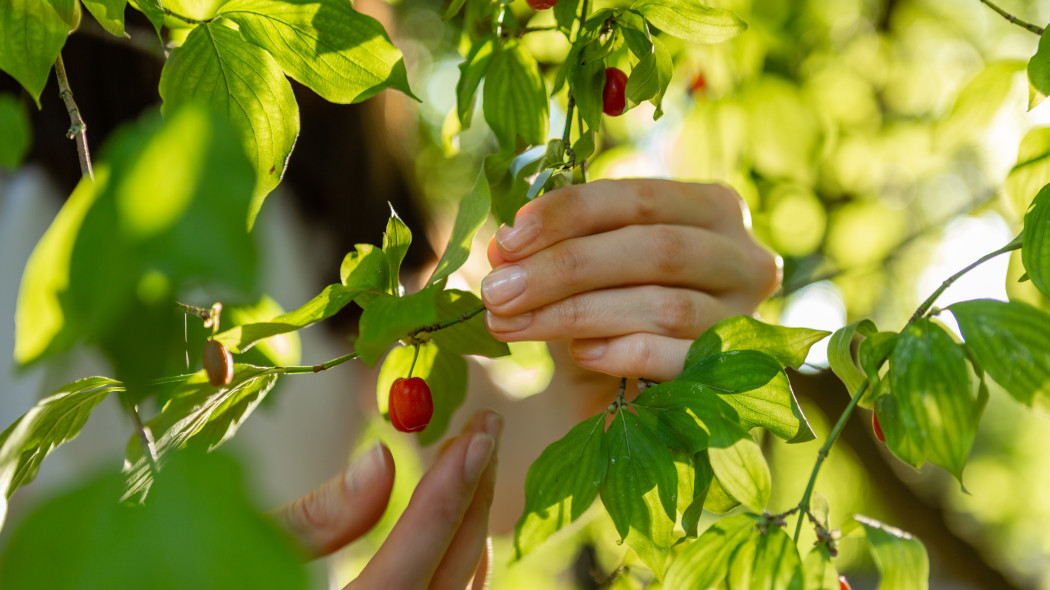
{"x":441,"y":539}
{"x":630,"y":271}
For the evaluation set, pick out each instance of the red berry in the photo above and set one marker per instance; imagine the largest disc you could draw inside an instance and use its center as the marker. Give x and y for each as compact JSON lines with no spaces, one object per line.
{"x":843,"y":584}
{"x":410,"y":405}
{"x":699,"y":84}
{"x":878,"y":429}
{"x":613,"y":101}
{"x":218,"y":363}
{"x":541,"y":4}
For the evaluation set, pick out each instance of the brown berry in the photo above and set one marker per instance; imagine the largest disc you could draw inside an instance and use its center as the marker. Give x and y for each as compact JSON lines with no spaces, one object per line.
{"x":218,"y":363}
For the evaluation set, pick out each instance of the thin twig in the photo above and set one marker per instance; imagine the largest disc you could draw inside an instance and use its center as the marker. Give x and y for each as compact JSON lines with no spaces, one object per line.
{"x":1014,"y":19}
{"x":77,"y":128}
{"x":146,"y":439}
{"x":188,"y":20}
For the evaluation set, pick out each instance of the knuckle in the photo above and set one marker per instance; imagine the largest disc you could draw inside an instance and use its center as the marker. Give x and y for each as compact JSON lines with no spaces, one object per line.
{"x":646,"y":196}
{"x":641,"y":354}
{"x":572,"y":314}
{"x":727,"y":202}
{"x":567,"y":263}
{"x":668,"y":248}
{"x":677,"y":311}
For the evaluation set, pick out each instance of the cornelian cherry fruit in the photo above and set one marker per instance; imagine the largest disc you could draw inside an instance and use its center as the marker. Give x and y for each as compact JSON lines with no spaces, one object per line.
{"x":218,"y":363}
{"x":613,"y":99}
{"x":541,"y":4}
{"x":877,"y":428}
{"x":843,"y":584}
{"x":699,"y":84}
{"x":411,"y":406}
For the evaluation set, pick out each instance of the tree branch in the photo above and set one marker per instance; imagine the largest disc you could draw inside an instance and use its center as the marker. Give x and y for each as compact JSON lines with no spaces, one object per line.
{"x":1014,"y":19}
{"x":77,"y":128}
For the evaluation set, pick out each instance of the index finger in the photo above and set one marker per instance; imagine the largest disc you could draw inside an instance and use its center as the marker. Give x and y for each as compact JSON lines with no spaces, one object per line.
{"x":605,"y":205}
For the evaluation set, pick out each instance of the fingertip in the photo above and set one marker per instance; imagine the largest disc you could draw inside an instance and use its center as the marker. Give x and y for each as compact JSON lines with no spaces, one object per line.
{"x":494,"y":255}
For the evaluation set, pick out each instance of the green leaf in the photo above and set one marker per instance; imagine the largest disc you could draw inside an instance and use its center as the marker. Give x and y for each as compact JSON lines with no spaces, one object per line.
{"x":790,"y":346}
{"x":109,"y":14}
{"x":768,"y":560}
{"x":339,"y":53}
{"x":473,"y":210}
{"x":703,"y":477}
{"x":277,"y":350}
{"x":388,"y":319}
{"x":737,"y":462}
{"x":258,"y":100}
{"x":453,"y":9}
{"x":586,"y":81}
{"x":1039,"y":73}
{"x":840,"y":354}
{"x":562,"y":483}
{"x":718,"y":499}
{"x":705,"y":562}
{"x":1035,"y":249}
{"x":153,"y":11}
{"x":107,"y":269}
{"x":651,"y":76}
{"x":636,"y":33}
{"x":682,"y":413}
{"x":469,"y":337}
{"x":565,"y":15}
{"x":757,"y":388}
{"x":396,"y":241}
{"x":16,"y":131}
{"x":198,"y":414}
{"x":1032,"y":171}
{"x":52,"y":422}
{"x":977,"y":104}
{"x":1011,"y":341}
{"x":900,"y":557}
{"x":640,"y":490}
{"x":199,"y":520}
{"x":932,"y":414}
{"x":365,"y":267}
{"x":515,"y":98}
{"x":587,"y":34}
{"x":874,"y":350}
{"x":692,"y":21}
{"x":34,"y":32}
{"x":819,"y":571}
{"x":471,"y":71}
{"x":324,"y":305}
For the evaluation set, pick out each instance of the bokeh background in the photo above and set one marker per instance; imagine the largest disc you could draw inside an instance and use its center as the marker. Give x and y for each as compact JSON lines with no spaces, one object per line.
{"x":871,"y":140}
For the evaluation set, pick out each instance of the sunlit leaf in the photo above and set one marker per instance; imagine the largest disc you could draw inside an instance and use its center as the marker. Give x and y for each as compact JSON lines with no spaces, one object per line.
{"x":651,"y":76}
{"x":109,"y":14}
{"x":977,"y":103}
{"x":1032,"y":171}
{"x":1035,"y":249}
{"x":34,"y":32}
{"x":703,"y":477}
{"x":258,"y":101}
{"x":705,"y":562}
{"x":562,"y":483}
{"x":279,"y":349}
{"x":900,"y":557}
{"x":738,"y":464}
{"x":1011,"y":341}
{"x":471,"y":71}
{"x":469,"y":337}
{"x":388,"y":319}
{"x":819,"y":570}
{"x":790,"y":346}
{"x":515,"y":98}
{"x":396,"y":240}
{"x":473,"y":210}
{"x":768,"y":560}
{"x":692,"y":21}
{"x":840,"y":354}
{"x":1039,"y":73}
{"x":640,"y":490}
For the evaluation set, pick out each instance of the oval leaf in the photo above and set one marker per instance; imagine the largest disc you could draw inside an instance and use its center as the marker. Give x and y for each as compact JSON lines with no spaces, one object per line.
{"x":692,"y":21}
{"x":900,"y":557}
{"x":1035,"y":243}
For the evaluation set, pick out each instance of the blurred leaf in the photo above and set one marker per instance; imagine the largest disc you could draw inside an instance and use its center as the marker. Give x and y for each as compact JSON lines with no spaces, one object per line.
{"x":1011,"y":341}
{"x":471,"y":71}
{"x":1031,"y":172}
{"x":932,"y":414}
{"x":976,"y":104}
{"x":341,"y":54}
{"x":16,"y":131}
{"x":819,"y":571}
{"x":705,"y":562}
{"x":324,"y":305}
{"x":640,"y":489}
{"x":1035,"y":250}
{"x":789,"y":346}
{"x":258,"y":100}
{"x":691,"y":21}
{"x":840,"y":354}
{"x":279,"y":349}
{"x":34,"y":32}
{"x":199,"y":415}
{"x":109,"y":14}
{"x":388,"y":319}
{"x":515,"y":98}
{"x":453,"y":9}
{"x":396,"y":240}
{"x":52,"y":422}
{"x":565,"y":14}
{"x":562,"y":483}
{"x":757,"y":388}
{"x":469,"y":337}
{"x":651,"y":76}
{"x":1039,"y":73}
{"x":738,"y":464}
{"x":198,"y":530}
{"x":768,"y":560}
{"x":473,"y":210}
{"x":900,"y":557}
{"x":588,"y":33}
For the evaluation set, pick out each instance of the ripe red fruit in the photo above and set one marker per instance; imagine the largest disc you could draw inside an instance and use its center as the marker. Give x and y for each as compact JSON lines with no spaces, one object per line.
{"x":541,"y":4}
{"x":699,"y":84}
{"x":877,"y":428}
{"x":843,"y":584}
{"x":411,"y":405}
{"x":218,"y":363}
{"x":613,"y":100}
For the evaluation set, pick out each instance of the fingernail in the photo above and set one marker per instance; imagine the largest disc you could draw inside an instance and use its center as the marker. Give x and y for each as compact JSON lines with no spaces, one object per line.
{"x":494,"y":425}
{"x":365,"y":470}
{"x":478,"y":453}
{"x":503,"y":284}
{"x":589,"y":350}
{"x":514,"y":238}
{"x":512,"y":323}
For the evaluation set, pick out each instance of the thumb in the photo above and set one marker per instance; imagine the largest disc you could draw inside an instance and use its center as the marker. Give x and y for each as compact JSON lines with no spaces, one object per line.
{"x":343,"y":508}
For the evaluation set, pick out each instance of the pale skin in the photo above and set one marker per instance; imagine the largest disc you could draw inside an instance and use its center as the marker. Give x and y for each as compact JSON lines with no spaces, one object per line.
{"x":628,"y":273}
